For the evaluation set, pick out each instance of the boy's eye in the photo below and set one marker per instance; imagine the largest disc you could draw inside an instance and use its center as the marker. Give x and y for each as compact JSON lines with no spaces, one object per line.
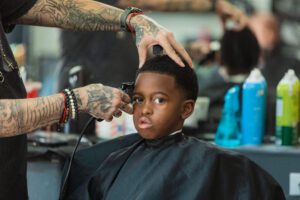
{"x":137,"y":100}
{"x":159,"y":100}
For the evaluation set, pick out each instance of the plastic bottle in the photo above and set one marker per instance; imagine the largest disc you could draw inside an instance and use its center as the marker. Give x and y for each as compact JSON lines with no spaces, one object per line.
{"x":287,"y":109}
{"x":228,"y":132}
{"x":253,"y":108}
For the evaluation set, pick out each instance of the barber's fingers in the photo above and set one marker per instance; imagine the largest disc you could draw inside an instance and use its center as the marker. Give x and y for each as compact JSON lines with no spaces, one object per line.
{"x":142,"y":51}
{"x":167,"y":41}
{"x":170,"y":51}
{"x":180,"y":50}
{"x":117,"y":113}
{"x":125,"y":97}
{"x":127,"y":108}
{"x":125,"y":103}
{"x":109,"y":119}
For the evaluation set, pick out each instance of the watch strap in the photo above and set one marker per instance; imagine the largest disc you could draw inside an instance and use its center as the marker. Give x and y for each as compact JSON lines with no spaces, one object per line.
{"x":124,"y":26}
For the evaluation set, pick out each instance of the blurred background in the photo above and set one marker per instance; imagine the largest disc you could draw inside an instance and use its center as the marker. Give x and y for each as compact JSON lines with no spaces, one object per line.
{"x":43,"y":46}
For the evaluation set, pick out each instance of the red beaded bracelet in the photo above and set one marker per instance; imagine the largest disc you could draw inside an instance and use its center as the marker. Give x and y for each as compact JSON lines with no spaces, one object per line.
{"x":65,"y":114}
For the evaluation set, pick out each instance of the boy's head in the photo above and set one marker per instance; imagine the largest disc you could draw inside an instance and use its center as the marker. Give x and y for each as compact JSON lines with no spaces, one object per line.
{"x":163,"y":97}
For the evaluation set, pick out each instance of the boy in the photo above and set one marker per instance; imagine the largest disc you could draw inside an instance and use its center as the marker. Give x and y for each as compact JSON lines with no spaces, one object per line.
{"x":166,"y":164}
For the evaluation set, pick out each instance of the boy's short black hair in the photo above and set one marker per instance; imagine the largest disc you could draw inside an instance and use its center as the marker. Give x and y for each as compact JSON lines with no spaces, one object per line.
{"x":185,"y":77}
{"x":239,"y":51}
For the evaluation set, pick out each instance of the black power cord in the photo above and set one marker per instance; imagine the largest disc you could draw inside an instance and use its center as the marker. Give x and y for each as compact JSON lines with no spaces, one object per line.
{"x":63,"y":188}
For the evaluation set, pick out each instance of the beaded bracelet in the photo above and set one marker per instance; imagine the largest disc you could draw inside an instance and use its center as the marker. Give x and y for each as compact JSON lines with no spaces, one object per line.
{"x":65,"y":115}
{"x":70,"y":106}
{"x":71,"y":103}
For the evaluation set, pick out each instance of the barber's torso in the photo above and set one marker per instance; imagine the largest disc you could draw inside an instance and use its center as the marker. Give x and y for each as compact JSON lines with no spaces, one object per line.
{"x":13,"y":150}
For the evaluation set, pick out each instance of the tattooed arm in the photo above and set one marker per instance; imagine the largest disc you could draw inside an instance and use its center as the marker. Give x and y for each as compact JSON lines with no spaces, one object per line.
{"x":88,"y":15}
{"x":78,"y":15}
{"x":24,"y":115}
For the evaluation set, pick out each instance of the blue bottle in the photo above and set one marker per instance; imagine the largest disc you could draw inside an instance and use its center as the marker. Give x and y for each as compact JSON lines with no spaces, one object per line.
{"x":253,"y":108}
{"x":228,"y":132}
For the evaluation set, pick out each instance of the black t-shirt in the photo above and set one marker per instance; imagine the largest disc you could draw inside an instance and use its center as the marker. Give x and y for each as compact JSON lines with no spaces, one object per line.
{"x":13,"y":183}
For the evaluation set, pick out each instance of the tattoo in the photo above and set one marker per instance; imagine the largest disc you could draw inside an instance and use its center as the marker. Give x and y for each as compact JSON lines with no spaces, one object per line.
{"x":99,"y":97}
{"x":78,"y":98}
{"x":43,"y":114}
{"x":75,"y":15}
{"x":24,"y":115}
{"x":7,"y":119}
{"x":142,"y":26}
{"x":139,"y":35}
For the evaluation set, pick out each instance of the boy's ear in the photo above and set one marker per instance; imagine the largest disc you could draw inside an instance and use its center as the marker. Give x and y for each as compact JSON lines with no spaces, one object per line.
{"x":187,"y":108}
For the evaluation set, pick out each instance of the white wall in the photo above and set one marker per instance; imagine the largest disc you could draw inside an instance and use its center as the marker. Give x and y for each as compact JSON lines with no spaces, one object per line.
{"x":44,"y":41}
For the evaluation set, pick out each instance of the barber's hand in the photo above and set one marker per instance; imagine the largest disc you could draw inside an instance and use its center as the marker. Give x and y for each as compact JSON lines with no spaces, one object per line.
{"x":102,"y":102}
{"x":149,"y":33}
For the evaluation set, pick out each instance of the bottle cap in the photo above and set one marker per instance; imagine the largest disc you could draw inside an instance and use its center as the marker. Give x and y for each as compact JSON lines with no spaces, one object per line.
{"x":290,"y":73}
{"x":255,"y":76}
{"x":289,"y":77}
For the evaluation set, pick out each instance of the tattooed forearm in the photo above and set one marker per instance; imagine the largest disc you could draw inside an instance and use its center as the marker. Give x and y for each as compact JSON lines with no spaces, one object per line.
{"x":96,"y":99}
{"x":142,"y":26}
{"x":80,"y":15}
{"x":78,"y":98}
{"x":24,"y":115}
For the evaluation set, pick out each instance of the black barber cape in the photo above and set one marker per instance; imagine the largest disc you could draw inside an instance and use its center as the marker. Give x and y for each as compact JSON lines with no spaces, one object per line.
{"x":13,"y":183}
{"x":180,"y":167}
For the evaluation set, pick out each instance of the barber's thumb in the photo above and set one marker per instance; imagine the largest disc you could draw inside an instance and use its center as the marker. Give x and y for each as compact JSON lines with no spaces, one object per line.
{"x":127,"y":108}
{"x":142,"y":57}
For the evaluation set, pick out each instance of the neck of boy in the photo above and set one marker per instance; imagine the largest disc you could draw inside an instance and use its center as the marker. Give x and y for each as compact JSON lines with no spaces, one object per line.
{"x":166,"y":140}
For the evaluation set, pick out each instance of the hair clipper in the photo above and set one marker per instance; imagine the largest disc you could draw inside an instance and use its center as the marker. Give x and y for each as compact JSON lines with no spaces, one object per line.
{"x":128,"y":88}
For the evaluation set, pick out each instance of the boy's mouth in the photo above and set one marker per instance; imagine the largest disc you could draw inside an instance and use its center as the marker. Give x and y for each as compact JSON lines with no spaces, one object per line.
{"x":144,"y":123}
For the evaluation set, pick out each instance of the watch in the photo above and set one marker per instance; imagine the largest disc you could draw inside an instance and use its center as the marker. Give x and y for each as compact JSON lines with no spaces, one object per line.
{"x":124,"y":16}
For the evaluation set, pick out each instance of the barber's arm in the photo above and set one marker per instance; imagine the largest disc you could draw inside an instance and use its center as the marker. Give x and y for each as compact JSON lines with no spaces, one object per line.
{"x":24,"y":115}
{"x":88,"y":15}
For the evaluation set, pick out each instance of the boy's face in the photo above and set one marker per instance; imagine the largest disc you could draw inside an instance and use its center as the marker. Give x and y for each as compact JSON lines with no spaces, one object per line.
{"x":158,"y":105}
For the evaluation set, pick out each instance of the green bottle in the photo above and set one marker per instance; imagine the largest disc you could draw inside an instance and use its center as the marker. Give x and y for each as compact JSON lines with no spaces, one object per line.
{"x":287,"y":109}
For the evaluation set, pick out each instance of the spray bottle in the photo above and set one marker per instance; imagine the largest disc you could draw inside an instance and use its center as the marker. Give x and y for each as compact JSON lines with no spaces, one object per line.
{"x":253,"y":108}
{"x":287,"y":109}
{"x":228,"y":132}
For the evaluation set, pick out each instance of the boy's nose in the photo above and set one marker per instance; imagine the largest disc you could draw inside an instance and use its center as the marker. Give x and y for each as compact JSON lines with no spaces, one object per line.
{"x":146,"y":110}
